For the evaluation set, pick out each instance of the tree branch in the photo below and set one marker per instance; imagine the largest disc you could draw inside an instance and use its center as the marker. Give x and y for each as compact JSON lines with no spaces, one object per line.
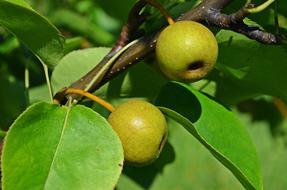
{"x":135,"y":19}
{"x":235,"y":23}
{"x":208,"y":12}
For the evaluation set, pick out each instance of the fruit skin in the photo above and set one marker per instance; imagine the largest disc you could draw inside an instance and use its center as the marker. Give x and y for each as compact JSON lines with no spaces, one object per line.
{"x":142,"y":129}
{"x":186,"y":51}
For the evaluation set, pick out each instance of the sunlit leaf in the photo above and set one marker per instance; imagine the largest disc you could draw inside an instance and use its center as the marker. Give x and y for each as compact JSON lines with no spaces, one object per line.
{"x":35,"y":31}
{"x":53,"y":147}
{"x":216,"y":128}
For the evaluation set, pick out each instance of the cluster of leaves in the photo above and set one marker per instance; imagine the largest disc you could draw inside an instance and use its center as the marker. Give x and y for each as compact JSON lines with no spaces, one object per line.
{"x":50,"y":147}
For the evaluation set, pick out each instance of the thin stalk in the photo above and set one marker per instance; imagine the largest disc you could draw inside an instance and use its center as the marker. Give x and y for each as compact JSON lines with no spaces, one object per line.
{"x":162,"y":10}
{"x":276,"y":22}
{"x":93,"y":97}
{"x":46,"y":72}
{"x":261,"y":7}
{"x":27,"y":84}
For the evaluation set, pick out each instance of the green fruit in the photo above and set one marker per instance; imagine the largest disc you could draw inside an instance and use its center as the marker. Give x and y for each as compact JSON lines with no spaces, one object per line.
{"x":186,"y":51}
{"x":142,"y":129}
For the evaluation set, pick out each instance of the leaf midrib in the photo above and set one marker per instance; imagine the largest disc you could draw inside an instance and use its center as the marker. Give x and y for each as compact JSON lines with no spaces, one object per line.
{"x":244,"y":180}
{"x":58,"y":145}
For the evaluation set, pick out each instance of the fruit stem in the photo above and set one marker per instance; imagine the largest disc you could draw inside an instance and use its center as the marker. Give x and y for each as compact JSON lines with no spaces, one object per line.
{"x":162,"y":10}
{"x":93,"y":97}
{"x":261,"y":7}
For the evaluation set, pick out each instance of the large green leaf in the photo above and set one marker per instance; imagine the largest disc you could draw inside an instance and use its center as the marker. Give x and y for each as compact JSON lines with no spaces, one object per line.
{"x":32,"y":29}
{"x":184,"y":164}
{"x":216,"y":128}
{"x":193,"y":165}
{"x":53,"y":147}
{"x":254,"y":67}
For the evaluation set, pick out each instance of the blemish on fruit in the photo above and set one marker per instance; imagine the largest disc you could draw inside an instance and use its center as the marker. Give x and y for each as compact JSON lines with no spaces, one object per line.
{"x":180,"y":60}
{"x":195,"y":65}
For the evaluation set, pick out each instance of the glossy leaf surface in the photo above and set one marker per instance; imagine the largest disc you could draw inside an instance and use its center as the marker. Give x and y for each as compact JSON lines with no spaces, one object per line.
{"x":217,"y":128}
{"x":34,"y":30}
{"x":52,"y":147}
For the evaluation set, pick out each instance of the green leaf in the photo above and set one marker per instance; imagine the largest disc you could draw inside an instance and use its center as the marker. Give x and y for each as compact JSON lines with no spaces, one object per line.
{"x":67,"y":19}
{"x":73,"y":44}
{"x":193,"y":164}
{"x":141,"y":80}
{"x":39,"y":93}
{"x":9,"y":45}
{"x":117,"y":9}
{"x":271,"y":148}
{"x":35,"y":31}
{"x":252,"y":65}
{"x":75,"y":65}
{"x":184,"y":164}
{"x":52,"y":147}
{"x":216,"y":128}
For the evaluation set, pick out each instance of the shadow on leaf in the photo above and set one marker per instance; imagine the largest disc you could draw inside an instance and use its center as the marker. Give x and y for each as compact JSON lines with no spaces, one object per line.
{"x":145,"y":176}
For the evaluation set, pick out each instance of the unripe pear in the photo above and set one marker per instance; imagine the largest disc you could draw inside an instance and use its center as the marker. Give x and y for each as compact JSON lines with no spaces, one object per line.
{"x":142,"y":129}
{"x":186,"y":51}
